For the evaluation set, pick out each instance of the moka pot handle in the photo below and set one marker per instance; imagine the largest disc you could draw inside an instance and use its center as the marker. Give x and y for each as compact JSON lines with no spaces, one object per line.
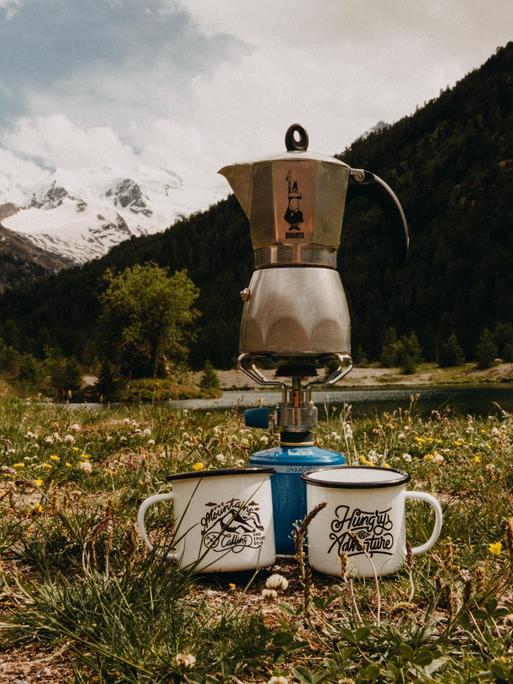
{"x":364,"y":183}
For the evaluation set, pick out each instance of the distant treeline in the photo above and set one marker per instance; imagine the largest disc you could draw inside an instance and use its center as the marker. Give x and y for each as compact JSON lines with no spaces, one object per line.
{"x":451,"y":165}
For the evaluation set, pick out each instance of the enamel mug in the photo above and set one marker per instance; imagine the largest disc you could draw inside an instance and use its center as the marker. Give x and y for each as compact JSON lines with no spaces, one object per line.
{"x":364,"y":518}
{"x":223,"y":519}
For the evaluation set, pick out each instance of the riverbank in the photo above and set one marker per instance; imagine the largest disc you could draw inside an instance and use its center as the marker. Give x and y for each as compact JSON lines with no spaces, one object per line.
{"x":375,"y":376}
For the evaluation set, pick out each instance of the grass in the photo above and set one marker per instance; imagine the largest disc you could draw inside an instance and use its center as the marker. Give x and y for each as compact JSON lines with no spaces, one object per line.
{"x":77,"y":587}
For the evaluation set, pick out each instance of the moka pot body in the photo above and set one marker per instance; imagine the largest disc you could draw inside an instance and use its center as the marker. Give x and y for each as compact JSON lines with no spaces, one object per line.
{"x":295,"y":304}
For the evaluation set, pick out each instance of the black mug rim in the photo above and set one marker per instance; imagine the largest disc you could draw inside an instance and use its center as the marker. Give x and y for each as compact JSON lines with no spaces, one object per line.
{"x":406,"y":477}
{"x":219,"y":473}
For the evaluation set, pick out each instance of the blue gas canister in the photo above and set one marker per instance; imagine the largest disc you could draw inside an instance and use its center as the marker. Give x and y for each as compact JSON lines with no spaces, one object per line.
{"x":288,"y":489}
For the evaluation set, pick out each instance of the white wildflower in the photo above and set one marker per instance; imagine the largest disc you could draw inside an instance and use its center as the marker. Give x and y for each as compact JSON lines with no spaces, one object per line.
{"x":438,"y":458}
{"x":151,"y":442}
{"x":220,"y":458}
{"x":126,"y":421}
{"x":240,"y":463}
{"x":277,"y":582}
{"x":335,"y":435}
{"x":269,"y":594}
{"x":348,"y":431}
{"x":278,"y":680}
{"x":372,"y":456}
{"x":48,"y":439}
{"x":86,"y":466}
{"x":185,"y":660}
{"x":264,"y":439}
{"x":74,"y":427}
{"x":122,"y":438}
{"x":407,"y":458}
{"x":146,"y":432}
{"x":401,"y":435}
{"x":494,"y":431}
{"x":68,"y":439}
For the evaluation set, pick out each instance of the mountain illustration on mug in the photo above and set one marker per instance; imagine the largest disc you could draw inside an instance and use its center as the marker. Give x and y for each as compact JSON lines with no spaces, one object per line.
{"x":232,"y":525}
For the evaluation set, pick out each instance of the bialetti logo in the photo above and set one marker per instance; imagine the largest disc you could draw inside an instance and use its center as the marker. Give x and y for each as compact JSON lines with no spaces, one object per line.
{"x":232,"y":525}
{"x":357,"y":532}
{"x":293,"y":214}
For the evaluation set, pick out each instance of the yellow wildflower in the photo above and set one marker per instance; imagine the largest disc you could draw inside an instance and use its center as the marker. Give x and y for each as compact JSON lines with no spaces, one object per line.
{"x":420,"y":440}
{"x":75,"y":449}
{"x":458,"y":442}
{"x":39,"y":482}
{"x":428,"y":457}
{"x":48,"y":466}
{"x":18,"y":466}
{"x":68,"y":464}
{"x":38,"y":508}
{"x":7,"y":474}
{"x":495,"y":549}
{"x":84,"y":456}
{"x":386,"y":465}
{"x":477,"y":458}
{"x":232,"y":586}
{"x":198,"y":466}
{"x":55,"y":458}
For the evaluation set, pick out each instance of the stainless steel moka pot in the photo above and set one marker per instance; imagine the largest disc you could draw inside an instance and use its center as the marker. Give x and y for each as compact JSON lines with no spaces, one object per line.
{"x":295,"y":309}
{"x":295,"y":317}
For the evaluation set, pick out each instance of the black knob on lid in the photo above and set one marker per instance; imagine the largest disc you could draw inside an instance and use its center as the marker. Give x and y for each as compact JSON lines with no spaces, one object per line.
{"x":296,"y":138}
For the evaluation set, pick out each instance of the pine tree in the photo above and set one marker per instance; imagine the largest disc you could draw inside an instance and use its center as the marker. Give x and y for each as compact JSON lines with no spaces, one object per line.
{"x":409,"y":353}
{"x":451,"y":353}
{"x":209,"y":379}
{"x":389,"y":351}
{"x":486,"y":350}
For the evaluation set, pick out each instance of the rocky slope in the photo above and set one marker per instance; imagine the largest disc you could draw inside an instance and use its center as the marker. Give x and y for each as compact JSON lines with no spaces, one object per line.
{"x":81,"y":214}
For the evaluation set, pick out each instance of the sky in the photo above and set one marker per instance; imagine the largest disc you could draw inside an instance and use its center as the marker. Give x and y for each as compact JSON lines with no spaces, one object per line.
{"x":192,"y":85}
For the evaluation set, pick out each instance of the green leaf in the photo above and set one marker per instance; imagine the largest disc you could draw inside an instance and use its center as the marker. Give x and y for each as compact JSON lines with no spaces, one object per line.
{"x":304,"y":675}
{"x":407,"y":652}
{"x":371,"y":672}
{"x":362,"y":633}
{"x":348,"y":635}
{"x":423,"y":657}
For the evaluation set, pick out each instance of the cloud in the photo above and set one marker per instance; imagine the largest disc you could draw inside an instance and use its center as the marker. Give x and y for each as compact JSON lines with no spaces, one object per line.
{"x":56,"y":141}
{"x":10,"y":7}
{"x":193,"y":85}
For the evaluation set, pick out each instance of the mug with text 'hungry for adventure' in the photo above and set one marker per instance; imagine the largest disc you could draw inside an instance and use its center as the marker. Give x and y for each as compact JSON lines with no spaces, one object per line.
{"x":363,"y":521}
{"x":223,"y":519}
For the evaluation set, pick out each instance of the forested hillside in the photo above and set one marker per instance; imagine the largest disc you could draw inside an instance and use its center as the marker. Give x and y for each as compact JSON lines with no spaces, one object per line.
{"x":451,"y":165}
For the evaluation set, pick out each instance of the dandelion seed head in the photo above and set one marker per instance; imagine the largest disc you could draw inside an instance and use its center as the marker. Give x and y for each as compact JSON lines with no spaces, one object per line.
{"x":277,"y":582}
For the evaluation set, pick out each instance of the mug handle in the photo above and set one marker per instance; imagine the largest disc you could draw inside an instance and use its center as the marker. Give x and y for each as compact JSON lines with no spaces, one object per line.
{"x":423,"y":496}
{"x":141,"y":528}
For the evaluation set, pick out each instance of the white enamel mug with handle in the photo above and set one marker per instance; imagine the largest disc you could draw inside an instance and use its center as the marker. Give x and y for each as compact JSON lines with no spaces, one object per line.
{"x":364,"y":518}
{"x":223,"y":519}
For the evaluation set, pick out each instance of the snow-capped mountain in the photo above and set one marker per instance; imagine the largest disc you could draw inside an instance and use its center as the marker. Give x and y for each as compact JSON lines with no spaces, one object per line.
{"x":81,"y":214}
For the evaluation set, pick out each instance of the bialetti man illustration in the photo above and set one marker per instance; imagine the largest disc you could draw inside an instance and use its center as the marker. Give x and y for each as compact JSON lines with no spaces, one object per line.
{"x":295,"y":318}
{"x":293,"y":215}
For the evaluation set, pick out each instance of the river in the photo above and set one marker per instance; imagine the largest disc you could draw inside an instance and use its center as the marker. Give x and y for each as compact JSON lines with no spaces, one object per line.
{"x":475,"y":400}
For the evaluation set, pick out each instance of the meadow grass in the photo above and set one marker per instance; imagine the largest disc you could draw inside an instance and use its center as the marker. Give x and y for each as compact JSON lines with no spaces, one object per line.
{"x":75,"y":580}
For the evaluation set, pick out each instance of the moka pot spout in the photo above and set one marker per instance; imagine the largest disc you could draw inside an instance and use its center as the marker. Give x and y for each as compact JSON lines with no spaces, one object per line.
{"x":240,"y":178}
